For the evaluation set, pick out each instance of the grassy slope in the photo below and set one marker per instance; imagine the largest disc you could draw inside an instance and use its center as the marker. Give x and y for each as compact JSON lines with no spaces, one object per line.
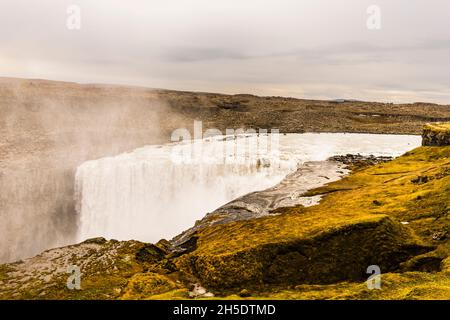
{"x":393,"y":189}
{"x":438,"y":126}
{"x":397,"y":192}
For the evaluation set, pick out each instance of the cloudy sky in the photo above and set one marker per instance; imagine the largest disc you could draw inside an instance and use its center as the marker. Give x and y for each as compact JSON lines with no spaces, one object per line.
{"x":301,"y":48}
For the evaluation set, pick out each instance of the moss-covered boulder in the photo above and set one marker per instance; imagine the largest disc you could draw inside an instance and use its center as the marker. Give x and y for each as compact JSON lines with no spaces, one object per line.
{"x":436,"y":134}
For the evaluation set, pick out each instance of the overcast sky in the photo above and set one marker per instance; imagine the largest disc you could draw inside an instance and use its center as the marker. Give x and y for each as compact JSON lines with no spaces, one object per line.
{"x":303,"y":48}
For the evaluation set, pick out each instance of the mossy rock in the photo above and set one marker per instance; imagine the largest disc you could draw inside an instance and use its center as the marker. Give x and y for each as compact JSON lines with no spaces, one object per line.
{"x":105,"y":269}
{"x":343,"y":253}
{"x":436,"y":134}
{"x":153,"y":286}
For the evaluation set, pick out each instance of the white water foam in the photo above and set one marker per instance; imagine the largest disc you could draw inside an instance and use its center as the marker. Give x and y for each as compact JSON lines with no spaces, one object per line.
{"x":145,"y":195}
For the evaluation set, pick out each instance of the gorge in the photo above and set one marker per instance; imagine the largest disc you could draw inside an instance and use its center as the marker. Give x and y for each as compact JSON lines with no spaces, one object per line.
{"x":145,"y":195}
{"x":82,"y":162}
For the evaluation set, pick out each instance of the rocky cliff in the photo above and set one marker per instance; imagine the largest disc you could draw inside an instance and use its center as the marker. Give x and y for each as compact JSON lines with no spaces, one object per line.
{"x":436,"y":134}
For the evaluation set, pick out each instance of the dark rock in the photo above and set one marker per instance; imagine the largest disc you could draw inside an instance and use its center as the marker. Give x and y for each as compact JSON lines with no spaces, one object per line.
{"x":150,"y":253}
{"x":420,"y":180}
{"x":98,"y":240}
{"x":244,"y":293}
{"x":423,"y":263}
{"x":376,"y":202}
{"x":234,"y":106}
{"x":358,"y":161}
{"x":164,"y":245}
{"x":437,"y":134}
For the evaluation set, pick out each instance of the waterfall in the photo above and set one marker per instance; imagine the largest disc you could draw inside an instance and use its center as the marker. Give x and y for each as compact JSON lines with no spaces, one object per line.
{"x":152,"y":193}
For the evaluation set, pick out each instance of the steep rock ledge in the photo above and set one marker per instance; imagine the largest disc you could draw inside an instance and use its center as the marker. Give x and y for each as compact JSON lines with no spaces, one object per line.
{"x":321,"y":256}
{"x":436,"y":134}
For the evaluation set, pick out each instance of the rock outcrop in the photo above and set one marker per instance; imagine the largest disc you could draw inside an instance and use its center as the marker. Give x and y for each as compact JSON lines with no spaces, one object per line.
{"x":327,"y":255}
{"x":108,"y":270}
{"x":436,"y":134}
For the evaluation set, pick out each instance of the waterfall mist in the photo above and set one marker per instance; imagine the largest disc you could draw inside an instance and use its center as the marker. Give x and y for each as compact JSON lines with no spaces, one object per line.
{"x":48,"y":129}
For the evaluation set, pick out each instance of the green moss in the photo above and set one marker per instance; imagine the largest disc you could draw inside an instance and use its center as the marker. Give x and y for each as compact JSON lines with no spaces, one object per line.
{"x":105,"y":267}
{"x":153,"y":286}
{"x":394,"y":286}
{"x":438,"y":127}
{"x":358,"y":220}
{"x":335,"y":254}
{"x":4,"y":270}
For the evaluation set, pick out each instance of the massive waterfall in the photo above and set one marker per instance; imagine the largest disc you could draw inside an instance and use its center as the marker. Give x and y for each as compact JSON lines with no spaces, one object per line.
{"x":157,"y":191}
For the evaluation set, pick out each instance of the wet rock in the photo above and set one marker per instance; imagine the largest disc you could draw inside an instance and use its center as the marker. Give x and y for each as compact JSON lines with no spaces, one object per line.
{"x":358,"y":161}
{"x":188,"y":245}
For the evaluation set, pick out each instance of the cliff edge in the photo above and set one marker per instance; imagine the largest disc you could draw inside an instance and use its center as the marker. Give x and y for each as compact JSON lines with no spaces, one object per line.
{"x":436,"y":134}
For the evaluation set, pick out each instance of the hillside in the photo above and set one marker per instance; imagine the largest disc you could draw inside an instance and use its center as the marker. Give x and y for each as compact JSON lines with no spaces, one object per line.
{"x":392,"y":214}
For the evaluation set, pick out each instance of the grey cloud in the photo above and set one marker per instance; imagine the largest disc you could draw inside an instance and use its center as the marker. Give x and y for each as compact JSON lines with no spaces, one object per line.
{"x":318,"y":48}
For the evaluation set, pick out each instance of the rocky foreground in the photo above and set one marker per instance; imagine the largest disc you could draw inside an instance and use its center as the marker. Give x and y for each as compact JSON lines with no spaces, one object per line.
{"x":391,"y":214}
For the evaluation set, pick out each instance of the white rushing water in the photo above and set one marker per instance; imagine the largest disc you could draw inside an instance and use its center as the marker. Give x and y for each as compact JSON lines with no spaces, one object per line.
{"x":149,"y":194}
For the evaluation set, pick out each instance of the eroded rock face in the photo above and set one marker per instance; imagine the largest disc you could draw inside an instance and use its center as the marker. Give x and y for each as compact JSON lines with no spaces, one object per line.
{"x":437,"y":134}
